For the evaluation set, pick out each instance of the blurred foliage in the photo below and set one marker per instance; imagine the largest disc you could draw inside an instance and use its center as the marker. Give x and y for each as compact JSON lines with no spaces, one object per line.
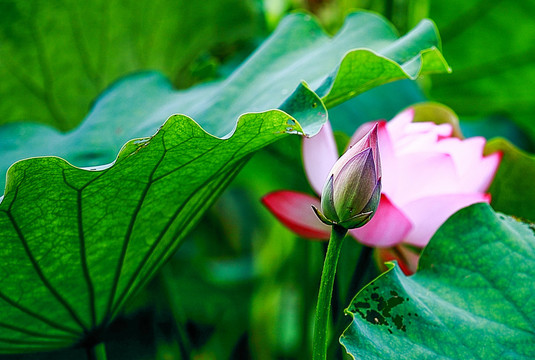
{"x":491,"y":47}
{"x":57,"y":56}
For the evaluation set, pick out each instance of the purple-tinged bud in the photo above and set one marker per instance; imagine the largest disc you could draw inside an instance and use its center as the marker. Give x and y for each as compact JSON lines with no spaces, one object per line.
{"x":353,"y":189}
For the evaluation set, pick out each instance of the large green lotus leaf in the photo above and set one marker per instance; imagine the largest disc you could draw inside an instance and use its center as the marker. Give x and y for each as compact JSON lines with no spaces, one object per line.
{"x":298,"y":50}
{"x":57,"y":56}
{"x":490,"y":46}
{"x":512,"y":189}
{"x":79,"y":242}
{"x":473,"y":296}
{"x":82,"y":241}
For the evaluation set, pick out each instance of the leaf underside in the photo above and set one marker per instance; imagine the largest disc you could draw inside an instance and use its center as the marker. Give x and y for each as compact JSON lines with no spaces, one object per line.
{"x":298,"y":51}
{"x":471,"y":298}
{"x":512,"y":191}
{"x":78,"y":243}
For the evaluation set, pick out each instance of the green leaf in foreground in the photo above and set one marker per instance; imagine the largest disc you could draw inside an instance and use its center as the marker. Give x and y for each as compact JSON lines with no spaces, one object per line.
{"x":512,"y":189}
{"x":473,"y":296}
{"x":78,"y":243}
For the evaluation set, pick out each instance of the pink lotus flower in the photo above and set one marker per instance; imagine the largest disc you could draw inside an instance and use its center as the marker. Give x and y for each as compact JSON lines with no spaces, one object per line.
{"x":427,"y":175}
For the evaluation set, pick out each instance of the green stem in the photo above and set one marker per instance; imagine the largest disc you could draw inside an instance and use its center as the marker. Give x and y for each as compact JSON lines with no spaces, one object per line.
{"x":417,"y":10}
{"x":97,"y":352}
{"x":323,"y":308}
{"x":359,"y":278}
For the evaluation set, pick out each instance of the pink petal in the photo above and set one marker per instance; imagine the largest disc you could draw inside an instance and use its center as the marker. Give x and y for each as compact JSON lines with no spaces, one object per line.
{"x":369,"y":141}
{"x":385,"y":147}
{"x":361,"y":131}
{"x":384,"y":144}
{"x":421,"y":137}
{"x":439,"y":130}
{"x":465,"y":153}
{"x":367,"y":135}
{"x":414,"y":176}
{"x":474,"y":170}
{"x":482,"y":173}
{"x":427,"y":214}
{"x":319,"y":155}
{"x":396,"y":126}
{"x":294,"y":210}
{"x":388,"y":227}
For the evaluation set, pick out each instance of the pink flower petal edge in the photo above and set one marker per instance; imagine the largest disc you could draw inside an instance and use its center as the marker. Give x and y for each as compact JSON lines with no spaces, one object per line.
{"x":319,"y":155}
{"x":294,"y":210}
{"x":388,"y":227}
{"x":483,"y":172}
{"x":429,"y":213}
{"x":420,"y":175}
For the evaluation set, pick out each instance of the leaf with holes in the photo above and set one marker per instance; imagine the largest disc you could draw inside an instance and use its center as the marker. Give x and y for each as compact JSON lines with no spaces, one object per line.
{"x":473,"y":296}
{"x":77,"y":243}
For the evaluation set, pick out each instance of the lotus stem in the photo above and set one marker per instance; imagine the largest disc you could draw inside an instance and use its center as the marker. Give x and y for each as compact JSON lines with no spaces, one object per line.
{"x":323,"y":309}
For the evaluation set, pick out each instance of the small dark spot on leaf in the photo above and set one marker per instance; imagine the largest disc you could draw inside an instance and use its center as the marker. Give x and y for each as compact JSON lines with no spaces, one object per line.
{"x":360,"y":313}
{"x":375,"y":318}
{"x":361,"y":304}
{"x":314,"y":105}
{"x":382,"y":304}
{"x":393,"y":293}
{"x":395,"y":301}
{"x":398,"y":321}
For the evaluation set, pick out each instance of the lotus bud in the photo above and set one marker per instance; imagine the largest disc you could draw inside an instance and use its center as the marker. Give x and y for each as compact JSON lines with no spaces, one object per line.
{"x":353,"y":189}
